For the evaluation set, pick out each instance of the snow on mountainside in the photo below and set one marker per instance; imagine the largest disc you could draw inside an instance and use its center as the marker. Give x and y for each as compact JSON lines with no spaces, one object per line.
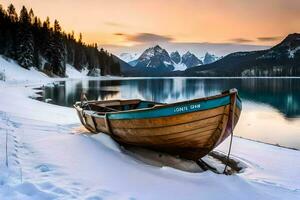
{"x":209,"y":58}
{"x":291,"y":52}
{"x":287,"y":49}
{"x":155,"y":57}
{"x":128,"y":57}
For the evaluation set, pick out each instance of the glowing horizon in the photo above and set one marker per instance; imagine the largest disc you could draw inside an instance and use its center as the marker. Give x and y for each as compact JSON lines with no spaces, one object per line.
{"x":135,"y":22}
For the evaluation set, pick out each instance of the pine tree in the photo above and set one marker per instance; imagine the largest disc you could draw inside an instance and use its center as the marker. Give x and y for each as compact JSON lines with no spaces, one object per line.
{"x":58,"y":51}
{"x":2,"y":28}
{"x":12,"y":14}
{"x":25,"y":50}
{"x":45,"y":46}
{"x":31,"y":16}
{"x":79,"y":54}
{"x":10,"y":32}
{"x":38,"y":40}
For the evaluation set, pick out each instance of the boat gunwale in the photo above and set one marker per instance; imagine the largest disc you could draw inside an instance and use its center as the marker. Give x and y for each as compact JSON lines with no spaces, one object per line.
{"x":107,"y":114}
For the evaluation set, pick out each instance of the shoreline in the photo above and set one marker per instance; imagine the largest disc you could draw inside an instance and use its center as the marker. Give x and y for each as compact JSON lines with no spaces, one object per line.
{"x":38,"y":88}
{"x":276,"y":145}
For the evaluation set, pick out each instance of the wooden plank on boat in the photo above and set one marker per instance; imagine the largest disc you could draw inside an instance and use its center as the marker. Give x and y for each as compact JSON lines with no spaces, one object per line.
{"x":168,"y":130}
{"x":167,"y":121}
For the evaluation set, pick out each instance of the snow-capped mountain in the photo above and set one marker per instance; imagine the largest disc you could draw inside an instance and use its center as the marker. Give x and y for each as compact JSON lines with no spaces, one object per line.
{"x":185,"y":61}
{"x":128,"y":57}
{"x":190,"y":60}
{"x":209,"y":58}
{"x":158,"y":58}
{"x":155,"y":57}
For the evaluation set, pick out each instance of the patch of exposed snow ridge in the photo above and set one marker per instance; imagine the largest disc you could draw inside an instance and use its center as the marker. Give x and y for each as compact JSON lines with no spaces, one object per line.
{"x":13,"y":72}
{"x":71,"y":72}
{"x":168,"y":63}
{"x":128,"y":57}
{"x":291,"y":52}
{"x":179,"y":66}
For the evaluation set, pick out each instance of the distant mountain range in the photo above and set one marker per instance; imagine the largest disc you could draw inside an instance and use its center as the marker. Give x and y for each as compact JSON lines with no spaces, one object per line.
{"x":281,"y":60}
{"x":156,"y":60}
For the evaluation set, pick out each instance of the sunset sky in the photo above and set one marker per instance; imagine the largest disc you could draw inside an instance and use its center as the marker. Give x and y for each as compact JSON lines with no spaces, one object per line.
{"x":137,"y":22}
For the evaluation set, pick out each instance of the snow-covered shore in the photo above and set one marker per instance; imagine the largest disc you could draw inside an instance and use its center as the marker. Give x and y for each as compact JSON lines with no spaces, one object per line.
{"x":48,"y":158}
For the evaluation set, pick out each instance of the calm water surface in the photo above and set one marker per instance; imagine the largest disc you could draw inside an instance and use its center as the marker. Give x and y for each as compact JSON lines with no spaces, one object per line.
{"x":271,"y":107}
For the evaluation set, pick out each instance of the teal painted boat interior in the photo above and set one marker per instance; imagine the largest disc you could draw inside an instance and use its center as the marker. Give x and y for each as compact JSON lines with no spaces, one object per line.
{"x":185,"y":107}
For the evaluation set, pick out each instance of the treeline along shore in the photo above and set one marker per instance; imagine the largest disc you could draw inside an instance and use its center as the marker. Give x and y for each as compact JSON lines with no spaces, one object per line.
{"x":32,"y":42}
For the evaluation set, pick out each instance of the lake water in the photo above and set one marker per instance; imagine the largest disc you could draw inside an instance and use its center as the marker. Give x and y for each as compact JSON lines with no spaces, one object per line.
{"x":271,"y":107}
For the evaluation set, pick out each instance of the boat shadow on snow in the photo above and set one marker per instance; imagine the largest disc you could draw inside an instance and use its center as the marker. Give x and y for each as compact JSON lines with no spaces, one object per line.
{"x":215,"y":159}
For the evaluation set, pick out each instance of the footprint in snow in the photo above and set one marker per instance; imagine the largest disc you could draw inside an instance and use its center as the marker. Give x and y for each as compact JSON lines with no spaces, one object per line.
{"x":46,"y":185}
{"x":44,"y":168}
{"x":14,"y":155}
{"x":76,"y":183}
{"x":60,"y":191}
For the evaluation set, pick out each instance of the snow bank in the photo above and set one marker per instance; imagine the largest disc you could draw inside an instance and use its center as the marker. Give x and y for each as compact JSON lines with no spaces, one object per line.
{"x":15,"y":73}
{"x":50,"y":158}
{"x":71,"y":72}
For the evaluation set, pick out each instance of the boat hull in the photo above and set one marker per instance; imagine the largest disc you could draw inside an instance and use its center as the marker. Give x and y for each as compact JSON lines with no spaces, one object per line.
{"x":189,"y":129}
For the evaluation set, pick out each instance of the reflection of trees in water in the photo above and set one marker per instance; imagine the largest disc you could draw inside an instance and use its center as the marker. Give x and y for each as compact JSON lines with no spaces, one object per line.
{"x":166,"y":90}
{"x":68,"y":92}
{"x":100,"y":89}
{"x":282,"y":94}
{"x":155,"y":90}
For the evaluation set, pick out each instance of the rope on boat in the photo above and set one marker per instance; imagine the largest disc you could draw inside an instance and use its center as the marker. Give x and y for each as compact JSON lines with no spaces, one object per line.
{"x":83,"y":97}
{"x":227,"y":159}
{"x":231,"y":134}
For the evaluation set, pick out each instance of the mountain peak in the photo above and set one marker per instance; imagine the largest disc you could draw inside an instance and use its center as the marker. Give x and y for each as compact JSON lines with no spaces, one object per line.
{"x":155,"y":57}
{"x":188,"y":53}
{"x":207,"y":54}
{"x":209,"y":58}
{"x":291,"y":40}
{"x":157,"y":47}
{"x":190,"y":60}
{"x":175,"y":56}
{"x":293,"y":36}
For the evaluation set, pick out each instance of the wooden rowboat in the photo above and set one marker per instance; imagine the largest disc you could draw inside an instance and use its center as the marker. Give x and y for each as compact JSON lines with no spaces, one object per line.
{"x":189,"y":129}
